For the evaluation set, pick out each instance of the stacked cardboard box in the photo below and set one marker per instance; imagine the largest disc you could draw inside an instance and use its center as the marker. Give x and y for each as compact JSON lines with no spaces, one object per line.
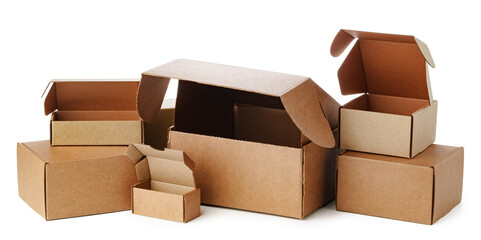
{"x":396,"y":116}
{"x":72,"y":175}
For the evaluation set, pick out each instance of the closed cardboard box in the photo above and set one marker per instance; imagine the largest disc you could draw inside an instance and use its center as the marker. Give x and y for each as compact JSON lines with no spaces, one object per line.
{"x":421,"y":190}
{"x":167,"y":186}
{"x":396,"y":114}
{"x":261,"y":141}
{"x":62,"y":182}
{"x":93,"y":113}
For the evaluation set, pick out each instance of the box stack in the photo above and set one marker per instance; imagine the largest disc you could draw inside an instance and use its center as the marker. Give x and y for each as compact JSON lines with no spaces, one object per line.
{"x":84,"y":168}
{"x":395,"y":115}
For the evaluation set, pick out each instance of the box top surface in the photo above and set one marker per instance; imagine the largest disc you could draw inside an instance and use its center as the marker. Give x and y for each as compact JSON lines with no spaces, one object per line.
{"x":91,"y":95}
{"x":430,"y":157}
{"x":72,"y":153}
{"x":312,"y":110}
{"x":169,"y":166}
{"x":386,"y":64}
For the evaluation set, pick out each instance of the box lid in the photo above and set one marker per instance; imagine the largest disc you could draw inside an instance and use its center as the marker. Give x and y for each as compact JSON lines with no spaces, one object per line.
{"x":91,"y":95}
{"x":386,"y":64}
{"x":312,"y":110}
{"x":168,"y":166}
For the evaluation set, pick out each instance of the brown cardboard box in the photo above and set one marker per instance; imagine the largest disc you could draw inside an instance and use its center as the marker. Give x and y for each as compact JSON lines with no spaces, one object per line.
{"x":261,"y":141}
{"x":421,"y":190}
{"x":156,"y":133}
{"x":167,"y":187}
{"x":62,"y":182}
{"x":396,"y":114}
{"x":93,"y":113}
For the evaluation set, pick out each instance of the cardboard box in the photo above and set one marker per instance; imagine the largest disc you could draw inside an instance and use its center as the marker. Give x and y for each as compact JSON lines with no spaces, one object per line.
{"x":93,"y":113}
{"x":62,"y":182}
{"x":167,"y":187}
{"x":395,"y":115}
{"x":421,"y":190}
{"x":156,"y":133}
{"x":261,"y":141}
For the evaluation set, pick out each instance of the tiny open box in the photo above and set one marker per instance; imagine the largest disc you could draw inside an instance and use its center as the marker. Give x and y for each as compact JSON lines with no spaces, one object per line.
{"x":395,"y":115}
{"x":167,"y":186}
{"x":93,"y":113}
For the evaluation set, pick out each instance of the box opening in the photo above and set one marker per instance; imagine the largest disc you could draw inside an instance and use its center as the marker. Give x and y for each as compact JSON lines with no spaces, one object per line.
{"x":95,"y":116}
{"x":387,"y":104}
{"x":165,"y":187}
{"x":234,"y":114}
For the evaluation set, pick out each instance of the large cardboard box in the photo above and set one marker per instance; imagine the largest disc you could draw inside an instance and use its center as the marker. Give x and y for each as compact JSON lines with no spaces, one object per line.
{"x":395,"y":115}
{"x":421,"y":190}
{"x":167,"y":186}
{"x":261,"y":141}
{"x":93,"y":113}
{"x":62,"y":182}
{"x":156,"y":133}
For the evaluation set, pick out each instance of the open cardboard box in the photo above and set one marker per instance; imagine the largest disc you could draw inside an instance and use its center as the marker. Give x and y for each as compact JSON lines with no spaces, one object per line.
{"x":261,"y":141}
{"x":395,"y":115}
{"x":93,"y":113}
{"x":62,"y":182}
{"x":422,"y":189}
{"x":167,"y":187}
{"x":156,"y":133}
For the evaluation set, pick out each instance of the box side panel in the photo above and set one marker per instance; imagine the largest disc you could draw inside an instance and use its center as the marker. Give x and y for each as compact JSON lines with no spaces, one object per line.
{"x":89,"y":186}
{"x":448,"y":186}
{"x":374,"y":132}
{"x":31,"y":179}
{"x":192,"y":205}
{"x":155,"y":133}
{"x":158,"y":204}
{"x":385,"y":189}
{"x":245,"y":175}
{"x":96,"y":132}
{"x":319,"y":176}
{"x":424,"y":128}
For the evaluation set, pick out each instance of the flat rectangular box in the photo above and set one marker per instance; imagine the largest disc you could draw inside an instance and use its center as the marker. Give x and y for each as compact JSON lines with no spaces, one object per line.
{"x":261,"y":141}
{"x":395,"y":115}
{"x":93,"y":113}
{"x":167,"y":186}
{"x":421,"y":190}
{"x":63,"y":182}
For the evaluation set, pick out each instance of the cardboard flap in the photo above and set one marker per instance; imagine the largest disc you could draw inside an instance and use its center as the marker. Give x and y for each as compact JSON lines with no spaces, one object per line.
{"x":305,"y":106}
{"x":385,"y":64}
{"x":154,"y":82}
{"x":169,"y":166}
{"x":101,"y":95}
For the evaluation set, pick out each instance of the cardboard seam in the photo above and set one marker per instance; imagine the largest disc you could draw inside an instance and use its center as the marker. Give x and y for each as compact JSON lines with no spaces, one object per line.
{"x":363,"y":71}
{"x":45,"y":190}
{"x":303,"y":192}
{"x":411,"y":148}
{"x":433,"y":194}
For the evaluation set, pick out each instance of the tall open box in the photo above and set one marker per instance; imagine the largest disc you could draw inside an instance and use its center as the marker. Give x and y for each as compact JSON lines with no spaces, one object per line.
{"x":66,"y":181}
{"x":261,"y":141}
{"x":395,"y":115}
{"x":167,"y":186}
{"x":93,"y":113}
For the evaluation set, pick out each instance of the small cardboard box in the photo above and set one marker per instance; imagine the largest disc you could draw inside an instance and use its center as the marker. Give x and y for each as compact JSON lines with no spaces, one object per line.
{"x":167,"y":187}
{"x":93,"y":113}
{"x":421,"y":190}
{"x":62,"y":182}
{"x":261,"y":141}
{"x":395,"y":115}
{"x":156,"y":133}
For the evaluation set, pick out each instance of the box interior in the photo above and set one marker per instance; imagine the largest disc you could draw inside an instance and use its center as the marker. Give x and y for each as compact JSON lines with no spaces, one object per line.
{"x":95,"y":116}
{"x":234,"y":114}
{"x":165,"y":187}
{"x":387,"y":104}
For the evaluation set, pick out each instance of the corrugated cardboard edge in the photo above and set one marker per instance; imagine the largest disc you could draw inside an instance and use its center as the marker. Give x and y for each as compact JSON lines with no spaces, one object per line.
{"x":448,"y":184}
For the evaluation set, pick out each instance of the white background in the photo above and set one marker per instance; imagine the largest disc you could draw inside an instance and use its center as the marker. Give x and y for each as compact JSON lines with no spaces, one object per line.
{"x":43,"y":40}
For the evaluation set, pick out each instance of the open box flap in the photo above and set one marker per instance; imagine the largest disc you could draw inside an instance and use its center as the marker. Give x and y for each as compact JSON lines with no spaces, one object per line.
{"x":91,"y":95}
{"x":169,"y":166}
{"x":301,"y":97}
{"x":385,"y":64}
